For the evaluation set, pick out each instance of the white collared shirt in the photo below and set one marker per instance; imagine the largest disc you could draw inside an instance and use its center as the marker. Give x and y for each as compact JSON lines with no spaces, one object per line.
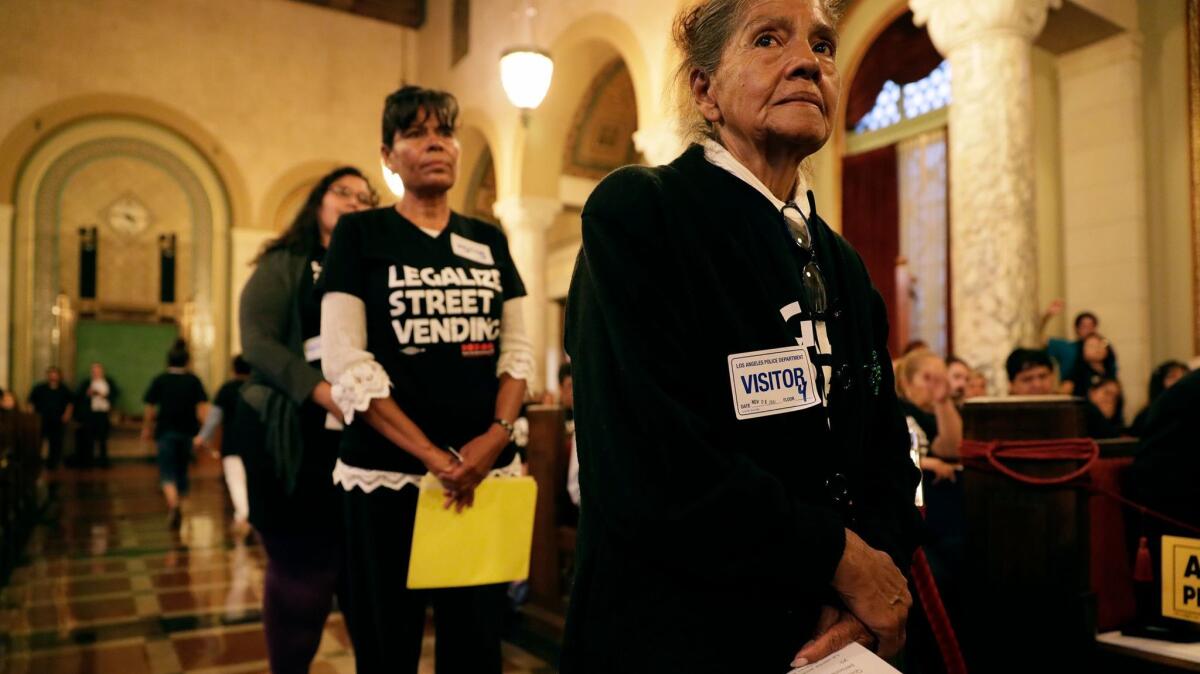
{"x":717,"y":155}
{"x":100,"y":401}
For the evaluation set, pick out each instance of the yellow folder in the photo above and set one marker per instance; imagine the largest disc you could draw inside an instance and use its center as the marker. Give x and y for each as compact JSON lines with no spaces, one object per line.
{"x":487,"y":543}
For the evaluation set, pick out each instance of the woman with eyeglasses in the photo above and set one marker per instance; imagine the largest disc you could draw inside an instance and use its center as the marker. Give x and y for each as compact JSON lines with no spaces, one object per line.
{"x":425,"y":345}
{"x":288,"y":428}
{"x":747,"y":490}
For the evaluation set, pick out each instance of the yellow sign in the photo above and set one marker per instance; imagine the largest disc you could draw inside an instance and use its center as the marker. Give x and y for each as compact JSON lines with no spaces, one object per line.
{"x":487,"y":543}
{"x":1181,"y":578}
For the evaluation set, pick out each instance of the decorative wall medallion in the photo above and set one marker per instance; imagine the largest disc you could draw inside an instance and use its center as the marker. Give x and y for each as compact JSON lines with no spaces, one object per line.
{"x":128,"y":215}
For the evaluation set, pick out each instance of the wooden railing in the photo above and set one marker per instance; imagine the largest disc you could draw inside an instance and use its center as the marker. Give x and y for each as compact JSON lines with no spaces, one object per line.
{"x":547,"y":456}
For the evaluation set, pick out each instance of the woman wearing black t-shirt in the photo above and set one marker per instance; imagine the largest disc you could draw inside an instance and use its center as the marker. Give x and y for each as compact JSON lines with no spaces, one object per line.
{"x":1094,"y":363}
{"x":936,"y":425}
{"x":174,"y":405}
{"x":287,"y":428}
{"x":924,"y":393}
{"x":424,"y":345}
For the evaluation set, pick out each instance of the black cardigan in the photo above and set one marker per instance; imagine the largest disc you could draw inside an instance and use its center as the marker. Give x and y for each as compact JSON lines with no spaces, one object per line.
{"x":708,"y":543}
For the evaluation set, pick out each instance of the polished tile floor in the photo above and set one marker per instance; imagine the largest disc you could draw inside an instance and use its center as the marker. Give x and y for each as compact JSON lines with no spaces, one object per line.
{"x":106,"y":588}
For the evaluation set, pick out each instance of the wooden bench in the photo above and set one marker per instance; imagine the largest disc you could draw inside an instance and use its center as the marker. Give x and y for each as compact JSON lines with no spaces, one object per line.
{"x":553,"y":545}
{"x":20,"y":466}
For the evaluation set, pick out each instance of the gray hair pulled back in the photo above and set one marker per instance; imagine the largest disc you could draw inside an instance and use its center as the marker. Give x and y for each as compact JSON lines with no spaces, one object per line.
{"x":701,"y":33}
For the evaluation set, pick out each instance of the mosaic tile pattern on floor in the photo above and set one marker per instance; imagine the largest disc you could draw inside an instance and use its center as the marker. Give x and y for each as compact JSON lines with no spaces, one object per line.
{"x":106,"y":587}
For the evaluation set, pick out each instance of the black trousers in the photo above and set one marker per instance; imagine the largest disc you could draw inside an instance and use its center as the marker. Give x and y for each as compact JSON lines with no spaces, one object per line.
{"x":52,"y":432}
{"x":387,"y":620}
{"x":304,"y":572}
{"x":92,"y":443}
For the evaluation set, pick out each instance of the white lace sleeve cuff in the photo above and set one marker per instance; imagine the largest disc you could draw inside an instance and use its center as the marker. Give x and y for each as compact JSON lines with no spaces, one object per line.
{"x":516,"y":351}
{"x":369,"y":479}
{"x":358,"y":385}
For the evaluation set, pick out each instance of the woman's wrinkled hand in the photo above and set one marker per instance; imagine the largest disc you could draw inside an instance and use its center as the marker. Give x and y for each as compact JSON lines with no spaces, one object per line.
{"x":836,"y":629}
{"x":875,"y":592}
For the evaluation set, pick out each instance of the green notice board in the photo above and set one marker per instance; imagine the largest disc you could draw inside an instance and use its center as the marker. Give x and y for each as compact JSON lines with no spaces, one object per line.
{"x":132,"y":354}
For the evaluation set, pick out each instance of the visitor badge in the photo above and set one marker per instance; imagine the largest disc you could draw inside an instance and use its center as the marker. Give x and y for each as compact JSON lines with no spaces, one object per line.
{"x":312,"y":349}
{"x":774,"y":381}
{"x":471,"y":250}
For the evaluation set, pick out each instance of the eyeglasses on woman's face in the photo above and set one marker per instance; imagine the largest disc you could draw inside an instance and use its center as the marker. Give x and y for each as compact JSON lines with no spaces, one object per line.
{"x":366,"y":198}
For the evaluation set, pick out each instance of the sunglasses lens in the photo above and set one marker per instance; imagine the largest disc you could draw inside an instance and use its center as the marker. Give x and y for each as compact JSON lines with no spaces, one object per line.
{"x":800,"y":232}
{"x":814,"y":287}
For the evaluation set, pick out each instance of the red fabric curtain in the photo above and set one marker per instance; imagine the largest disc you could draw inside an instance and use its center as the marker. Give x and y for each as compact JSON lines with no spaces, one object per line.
{"x":902,"y":53}
{"x":871,"y":220}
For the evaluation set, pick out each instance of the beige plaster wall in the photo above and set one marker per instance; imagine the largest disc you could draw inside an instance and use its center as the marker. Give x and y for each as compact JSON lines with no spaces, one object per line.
{"x":244,"y":246}
{"x":277,"y":83}
{"x":1165,"y":106}
{"x":127,"y":268}
{"x":1047,"y":184}
{"x":1105,"y":253}
{"x":635,"y":30}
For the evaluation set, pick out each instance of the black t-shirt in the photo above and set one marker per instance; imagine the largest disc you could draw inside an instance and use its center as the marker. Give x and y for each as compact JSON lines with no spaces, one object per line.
{"x":1084,"y":377}
{"x":176,"y":394}
{"x":925,"y":420}
{"x":433,"y":309}
{"x":227,"y":399}
{"x":1166,"y":465}
{"x":50,"y":403}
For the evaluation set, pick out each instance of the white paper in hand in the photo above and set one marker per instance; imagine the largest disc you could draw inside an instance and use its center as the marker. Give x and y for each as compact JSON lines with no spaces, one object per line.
{"x":853,"y":659}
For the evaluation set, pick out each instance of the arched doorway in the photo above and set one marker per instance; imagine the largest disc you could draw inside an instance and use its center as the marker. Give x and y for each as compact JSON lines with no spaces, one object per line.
{"x":894,"y":180}
{"x":121,"y":230}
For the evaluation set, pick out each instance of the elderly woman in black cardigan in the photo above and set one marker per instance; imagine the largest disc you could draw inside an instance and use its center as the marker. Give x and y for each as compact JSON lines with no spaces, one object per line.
{"x":747,"y":492}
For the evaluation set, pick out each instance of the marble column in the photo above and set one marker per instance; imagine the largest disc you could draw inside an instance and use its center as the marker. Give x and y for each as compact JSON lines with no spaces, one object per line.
{"x":992,"y":228}
{"x":525,"y":220}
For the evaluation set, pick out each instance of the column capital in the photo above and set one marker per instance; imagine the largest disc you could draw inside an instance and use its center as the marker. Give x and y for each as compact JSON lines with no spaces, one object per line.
{"x":954,"y":22}
{"x":659,"y":143}
{"x":527,"y":213}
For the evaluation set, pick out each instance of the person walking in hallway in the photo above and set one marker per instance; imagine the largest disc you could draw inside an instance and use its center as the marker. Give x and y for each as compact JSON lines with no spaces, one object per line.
{"x":222,"y":415}
{"x":51,"y":400}
{"x":95,"y":399}
{"x":175,"y":403}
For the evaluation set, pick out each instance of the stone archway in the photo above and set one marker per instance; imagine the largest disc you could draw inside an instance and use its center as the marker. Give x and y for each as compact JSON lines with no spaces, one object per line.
{"x":67,"y":181}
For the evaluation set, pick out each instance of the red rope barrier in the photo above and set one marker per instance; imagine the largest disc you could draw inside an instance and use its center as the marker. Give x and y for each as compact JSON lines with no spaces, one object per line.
{"x":989,"y":455}
{"x":935,"y":613}
{"x":1069,"y":449}
{"x":1072,"y":449}
{"x":1143,"y":510}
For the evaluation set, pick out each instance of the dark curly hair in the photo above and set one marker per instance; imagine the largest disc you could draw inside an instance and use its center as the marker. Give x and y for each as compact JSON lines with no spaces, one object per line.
{"x":303,"y":233}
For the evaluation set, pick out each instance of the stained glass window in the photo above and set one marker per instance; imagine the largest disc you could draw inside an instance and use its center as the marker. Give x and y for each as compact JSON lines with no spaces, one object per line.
{"x":914,"y":99}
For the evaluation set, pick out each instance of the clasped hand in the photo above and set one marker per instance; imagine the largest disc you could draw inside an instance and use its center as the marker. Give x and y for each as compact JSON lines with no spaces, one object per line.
{"x":460,"y":478}
{"x":874,"y":611}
